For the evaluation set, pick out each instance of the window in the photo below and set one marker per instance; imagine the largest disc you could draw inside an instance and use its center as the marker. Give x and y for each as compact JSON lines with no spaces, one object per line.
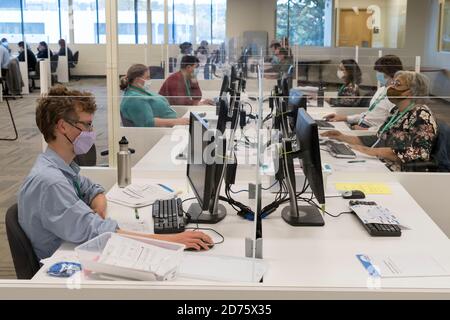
{"x":157,"y":7}
{"x":132,"y":18}
{"x":305,"y":22}
{"x":210,"y":20}
{"x":11,"y":21}
{"x":181,"y":22}
{"x":87,"y":14}
{"x":44,"y":14}
{"x":370,"y":25}
{"x":445,"y":28}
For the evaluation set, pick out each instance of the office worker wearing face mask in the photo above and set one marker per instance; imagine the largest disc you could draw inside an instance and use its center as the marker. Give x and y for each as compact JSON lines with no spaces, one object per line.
{"x":57,"y":204}
{"x":410,"y":131}
{"x":348,"y":94}
{"x":140,"y":106}
{"x":379,"y":106}
{"x":182,"y":88}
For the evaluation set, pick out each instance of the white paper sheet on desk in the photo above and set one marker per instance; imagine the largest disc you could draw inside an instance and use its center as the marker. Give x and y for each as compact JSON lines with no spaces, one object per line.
{"x":405,"y":265}
{"x":128,"y":253}
{"x":377,"y":214}
{"x":222,"y":268}
{"x":139,"y":195}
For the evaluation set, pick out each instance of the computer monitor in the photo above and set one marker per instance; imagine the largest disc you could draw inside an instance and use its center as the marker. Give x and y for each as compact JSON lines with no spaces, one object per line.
{"x":225,"y":86}
{"x":203,"y":172}
{"x":296,"y":101}
{"x":309,"y":152}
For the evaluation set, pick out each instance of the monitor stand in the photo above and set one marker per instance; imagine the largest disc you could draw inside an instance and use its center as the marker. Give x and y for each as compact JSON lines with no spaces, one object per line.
{"x":197,"y":215}
{"x":307,"y":216}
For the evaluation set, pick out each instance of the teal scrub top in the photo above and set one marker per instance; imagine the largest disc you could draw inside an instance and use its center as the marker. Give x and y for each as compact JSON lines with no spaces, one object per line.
{"x":142,"y":107}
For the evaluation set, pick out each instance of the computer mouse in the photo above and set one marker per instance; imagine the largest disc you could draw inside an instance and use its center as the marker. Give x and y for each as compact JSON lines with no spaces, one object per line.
{"x":193,"y":249}
{"x":353,"y":194}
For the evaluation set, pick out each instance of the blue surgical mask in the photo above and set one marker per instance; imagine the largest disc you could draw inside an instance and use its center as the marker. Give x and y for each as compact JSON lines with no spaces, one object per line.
{"x":5,"y":44}
{"x":381,"y":78}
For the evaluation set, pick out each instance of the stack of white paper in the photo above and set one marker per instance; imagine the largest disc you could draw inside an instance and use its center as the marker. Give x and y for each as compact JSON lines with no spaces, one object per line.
{"x":139,"y":195}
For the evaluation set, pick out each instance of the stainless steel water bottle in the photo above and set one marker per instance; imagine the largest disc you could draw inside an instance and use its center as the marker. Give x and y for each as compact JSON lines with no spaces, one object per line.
{"x":123,"y":164}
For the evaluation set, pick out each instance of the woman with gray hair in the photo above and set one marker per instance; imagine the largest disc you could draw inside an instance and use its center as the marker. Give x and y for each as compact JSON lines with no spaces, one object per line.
{"x":409,"y":133}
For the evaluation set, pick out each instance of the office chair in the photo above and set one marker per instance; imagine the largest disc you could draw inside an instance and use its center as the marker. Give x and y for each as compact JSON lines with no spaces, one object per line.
{"x":35,"y":75}
{"x":25,"y":261}
{"x":87,"y":160}
{"x":172,"y":64}
{"x":16,"y":135}
{"x":440,"y":155}
{"x":156,"y":72}
{"x":126,"y":122}
{"x":53,"y":67}
{"x":76,"y":56}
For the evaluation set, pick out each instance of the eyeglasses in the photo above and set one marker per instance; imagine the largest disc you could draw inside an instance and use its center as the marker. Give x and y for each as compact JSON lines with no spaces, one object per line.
{"x":87,"y":125}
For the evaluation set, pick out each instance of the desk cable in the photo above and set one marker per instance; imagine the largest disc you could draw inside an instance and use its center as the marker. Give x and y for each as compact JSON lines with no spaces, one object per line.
{"x":199,"y":228}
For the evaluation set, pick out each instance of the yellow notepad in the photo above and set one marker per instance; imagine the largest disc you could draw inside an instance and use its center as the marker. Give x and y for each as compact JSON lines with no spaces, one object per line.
{"x":366,"y":187}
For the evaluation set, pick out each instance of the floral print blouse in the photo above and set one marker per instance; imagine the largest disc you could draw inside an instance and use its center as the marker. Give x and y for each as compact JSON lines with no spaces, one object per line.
{"x":412,"y":138}
{"x":348,"y":96}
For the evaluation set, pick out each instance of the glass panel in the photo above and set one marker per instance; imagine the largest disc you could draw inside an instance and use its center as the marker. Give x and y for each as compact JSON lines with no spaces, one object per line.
{"x":181,"y":11}
{"x":85,"y":21}
{"x":126,"y":18}
{"x":219,"y":17}
{"x":446,"y":27}
{"x":204,"y":20}
{"x":306,"y":23}
{"x":10,"y":20}
{"x":157,"y":7}
{"x":142,"y":21}
{"x":369,"y":25}
{"x":102,"y":19}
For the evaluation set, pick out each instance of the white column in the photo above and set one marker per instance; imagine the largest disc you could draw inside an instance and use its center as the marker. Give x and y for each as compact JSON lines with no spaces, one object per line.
{"x":149,"y":23}
{"x":418,"y":64}
{"x":112,"y":79}
{"x":357,"y":53}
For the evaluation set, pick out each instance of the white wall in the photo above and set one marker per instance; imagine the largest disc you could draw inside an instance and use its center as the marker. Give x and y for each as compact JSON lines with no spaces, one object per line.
{"x":432,"y":57}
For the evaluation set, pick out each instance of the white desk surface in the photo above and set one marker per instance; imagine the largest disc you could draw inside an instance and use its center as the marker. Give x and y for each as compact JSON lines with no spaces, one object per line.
{"x":319,"y":258}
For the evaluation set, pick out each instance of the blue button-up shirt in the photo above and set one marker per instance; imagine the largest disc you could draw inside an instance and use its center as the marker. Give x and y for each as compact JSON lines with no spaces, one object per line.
{"x":54,"y":205}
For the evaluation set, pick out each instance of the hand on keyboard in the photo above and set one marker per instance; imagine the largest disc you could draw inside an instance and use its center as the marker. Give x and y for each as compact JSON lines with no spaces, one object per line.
{"x":333,"y":134}
{"x":196,"y":240}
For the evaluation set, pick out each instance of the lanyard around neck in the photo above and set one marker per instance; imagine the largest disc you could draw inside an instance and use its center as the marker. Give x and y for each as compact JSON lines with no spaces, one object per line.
{"x":188,"y":87}
{"x":396,"y":118}
{"x":77,"y":189}
{"x":372,"y":107}
{"x":139,"y":90}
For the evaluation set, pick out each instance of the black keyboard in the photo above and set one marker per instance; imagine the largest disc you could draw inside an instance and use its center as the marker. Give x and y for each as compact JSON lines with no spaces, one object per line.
{"x":340,"y":150}
{"x":324,"y":124}
{"x":377,"y":229}
{"x":168,"y":216}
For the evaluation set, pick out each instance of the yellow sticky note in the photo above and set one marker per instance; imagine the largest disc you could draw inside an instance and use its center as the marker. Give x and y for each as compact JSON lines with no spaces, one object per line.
{"x":366,"y":187}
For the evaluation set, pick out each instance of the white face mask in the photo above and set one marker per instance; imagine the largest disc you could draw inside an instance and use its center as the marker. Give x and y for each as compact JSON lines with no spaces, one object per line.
{"x":340,"y":74}
{"x":147,"y":84}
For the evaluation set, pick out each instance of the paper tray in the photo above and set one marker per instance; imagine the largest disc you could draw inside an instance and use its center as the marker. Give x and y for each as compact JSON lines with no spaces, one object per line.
{"x":90,"y":251}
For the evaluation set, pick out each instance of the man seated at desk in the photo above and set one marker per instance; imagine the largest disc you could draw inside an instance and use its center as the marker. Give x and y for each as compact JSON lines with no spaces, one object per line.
{"x":280,"y":64}
{"x":182,"y":88}
{"x":55,"y":202}
{"x":140,"y":107}
{"x":408,"y":134}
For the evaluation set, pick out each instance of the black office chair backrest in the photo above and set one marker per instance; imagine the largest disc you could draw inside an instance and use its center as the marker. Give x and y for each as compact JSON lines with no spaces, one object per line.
{"x":88,"y":159}
{"x":54,"y":63}
{"x":25,"y":261}
{"x":126,"y":122}
{"x":156,"y":72}
{"x":441,"y":150}
{"x":75,"y":57}
{"x":172,"y":64}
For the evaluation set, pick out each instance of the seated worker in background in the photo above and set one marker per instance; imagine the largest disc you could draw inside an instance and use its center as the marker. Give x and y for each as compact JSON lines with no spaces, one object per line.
{"x":186,"y":49}
{"x":275,"y":47}
{"x":380,"y":106}
{"x":409,"y":134}
{"x":62,"y":52}
{"x":4,"y":42}
{"x":348,"y":94}
{"x":281,"y":64}
{"x":202,"y":53}
{"x":31,"y":58}
{"x":142,"y":107}
{"x":181,"y":88}
{"x":43,"y":51}
{"x":55,"y":203}
{"x":4,"y":59}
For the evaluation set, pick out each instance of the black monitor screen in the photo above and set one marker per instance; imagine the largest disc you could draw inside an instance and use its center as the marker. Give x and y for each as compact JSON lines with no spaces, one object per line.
{"x":200,"y":173}
{"x":225,"y":85}
{"x":308,"y":140}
